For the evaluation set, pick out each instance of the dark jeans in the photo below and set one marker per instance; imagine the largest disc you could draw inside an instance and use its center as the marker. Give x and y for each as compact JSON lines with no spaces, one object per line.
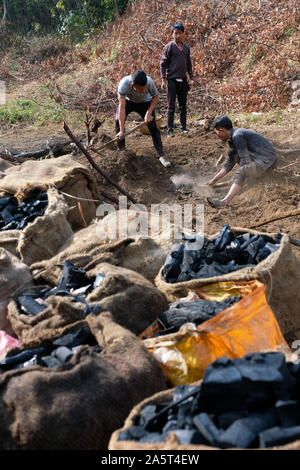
{"x":141,"y":109}
{"x":179,"y":89}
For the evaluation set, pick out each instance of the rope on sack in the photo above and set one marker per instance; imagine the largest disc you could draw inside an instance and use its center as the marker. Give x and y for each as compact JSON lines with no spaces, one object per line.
{"x":78,"y":198}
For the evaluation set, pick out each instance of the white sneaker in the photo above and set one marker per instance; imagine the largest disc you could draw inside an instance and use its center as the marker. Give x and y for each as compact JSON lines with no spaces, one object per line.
{"x":164,"y":161}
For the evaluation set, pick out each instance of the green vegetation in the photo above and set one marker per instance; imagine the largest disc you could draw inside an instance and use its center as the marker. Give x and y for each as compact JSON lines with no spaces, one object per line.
{"x":73,"y":19}
{"x":29,"y":111}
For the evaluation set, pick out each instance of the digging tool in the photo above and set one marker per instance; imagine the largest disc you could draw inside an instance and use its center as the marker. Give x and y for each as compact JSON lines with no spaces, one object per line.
{"x":125,"y":135}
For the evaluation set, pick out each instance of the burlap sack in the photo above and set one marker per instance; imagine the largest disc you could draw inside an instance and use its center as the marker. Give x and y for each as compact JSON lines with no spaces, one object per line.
{"x":78,"y":405}
{"x":13,"y":274}
{"x":144,"y":254}
{"x":279,"y":272}
{"x":133,"y":301}
{"x":172,"y":442}
{"x":66,"y":175}
{"x":42,"y":238}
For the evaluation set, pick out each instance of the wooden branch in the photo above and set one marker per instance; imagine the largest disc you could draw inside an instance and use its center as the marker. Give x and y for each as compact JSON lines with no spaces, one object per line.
{"x":276,"y":217}
{"x":11,"y":158}
{"x":125,"y":135}
{"x":290,"y":164}
{"x":90,"y":159}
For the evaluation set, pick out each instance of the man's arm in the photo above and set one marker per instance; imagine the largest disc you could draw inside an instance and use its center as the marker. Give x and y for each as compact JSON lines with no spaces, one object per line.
{"x":218,"y":176}
{"x":122,"y":117}
{"x":153,"y":104}
{"x":189,"y":65}
{"x":164,"y":62}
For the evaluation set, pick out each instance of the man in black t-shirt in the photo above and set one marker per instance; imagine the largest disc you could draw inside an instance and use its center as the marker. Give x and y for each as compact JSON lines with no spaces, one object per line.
{"x":176,"y":68}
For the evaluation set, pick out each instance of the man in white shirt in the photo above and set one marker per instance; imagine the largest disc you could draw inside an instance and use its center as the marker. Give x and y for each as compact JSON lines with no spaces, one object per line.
{"x":137,"y":92}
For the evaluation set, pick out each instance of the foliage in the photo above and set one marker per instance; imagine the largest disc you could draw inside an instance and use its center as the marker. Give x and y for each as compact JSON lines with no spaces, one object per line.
{"x":29,"y":111}
{"x":74,"y":19}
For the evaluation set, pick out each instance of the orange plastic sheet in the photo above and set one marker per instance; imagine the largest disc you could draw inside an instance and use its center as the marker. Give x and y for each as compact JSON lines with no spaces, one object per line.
{"x":246,"y":327}
{"x":222,"y":290}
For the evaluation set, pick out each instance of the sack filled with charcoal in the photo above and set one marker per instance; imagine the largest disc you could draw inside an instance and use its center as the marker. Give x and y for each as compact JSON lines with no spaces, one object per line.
{"x":237,"y":254}
{"x":41,"y":313}
{"x":84,"y":383}
{"x":34,"y":227}
{"x":66,"y":175}
{"x":246,"y":403}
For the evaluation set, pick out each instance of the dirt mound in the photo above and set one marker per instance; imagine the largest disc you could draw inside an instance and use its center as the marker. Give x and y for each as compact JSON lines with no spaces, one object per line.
{"x":194,"y":161}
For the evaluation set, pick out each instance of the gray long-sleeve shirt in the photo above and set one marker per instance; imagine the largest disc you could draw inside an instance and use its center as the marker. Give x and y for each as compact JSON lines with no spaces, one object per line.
{"x":175,"y":63}
{"x":248,"y":146}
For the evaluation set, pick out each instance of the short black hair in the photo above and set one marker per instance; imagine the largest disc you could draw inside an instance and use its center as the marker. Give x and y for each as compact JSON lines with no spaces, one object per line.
{"x":222,"y":121}
{"x":177,"y":25}
{"x":139,"y":77}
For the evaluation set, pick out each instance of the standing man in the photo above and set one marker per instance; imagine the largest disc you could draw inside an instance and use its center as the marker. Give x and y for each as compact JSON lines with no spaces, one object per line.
{"x":251,"y":151}
{"x":138,"y":93}
{"x":175,"y":68}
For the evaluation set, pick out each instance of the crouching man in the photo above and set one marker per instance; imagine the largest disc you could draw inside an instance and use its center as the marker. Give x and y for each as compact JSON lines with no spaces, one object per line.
{"x":138,"y":93}
{"x":251,"y":151}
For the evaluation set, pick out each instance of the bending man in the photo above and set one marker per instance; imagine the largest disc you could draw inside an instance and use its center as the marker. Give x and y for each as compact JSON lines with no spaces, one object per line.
{"x":138,"y":93}
{"x":251,"y":151}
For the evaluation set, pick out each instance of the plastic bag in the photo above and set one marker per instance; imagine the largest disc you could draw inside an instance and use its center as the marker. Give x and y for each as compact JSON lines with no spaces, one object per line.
{"x":7,"y":342}
{"x":246,"y":327}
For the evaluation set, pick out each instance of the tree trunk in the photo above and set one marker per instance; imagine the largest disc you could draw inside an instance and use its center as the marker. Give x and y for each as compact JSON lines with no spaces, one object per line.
{"x":116,"y":9}
{"x":3,"y":20}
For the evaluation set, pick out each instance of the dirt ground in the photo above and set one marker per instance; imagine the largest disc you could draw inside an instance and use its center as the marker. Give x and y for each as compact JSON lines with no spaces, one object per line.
{"x":194,"y":161}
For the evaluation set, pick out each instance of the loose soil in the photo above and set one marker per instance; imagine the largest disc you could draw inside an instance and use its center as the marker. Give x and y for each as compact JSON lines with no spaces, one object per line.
{"x":194,"y":161}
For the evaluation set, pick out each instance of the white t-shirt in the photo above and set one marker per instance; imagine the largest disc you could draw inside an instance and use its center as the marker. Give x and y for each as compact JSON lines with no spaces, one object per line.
{"x":126,"y":91}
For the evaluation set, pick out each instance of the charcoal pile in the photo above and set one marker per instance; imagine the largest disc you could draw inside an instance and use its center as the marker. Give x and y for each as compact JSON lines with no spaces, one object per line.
{"x":252,"y":402}
{"x":194,"y":311}
{"x":52,"y":355}
{"x":217,"y":257}
{"x":73,"y":283}
{"x":15,"y":216}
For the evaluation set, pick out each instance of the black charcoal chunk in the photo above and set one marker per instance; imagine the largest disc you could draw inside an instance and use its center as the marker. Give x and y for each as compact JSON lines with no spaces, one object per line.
{"x":196,"y":311}
{"x":207,"y":428}
{"x":125,"y":435}
{"x":289,"y":412}
{"x":226,"y":419}
{"x":224,"y":238}
{"x":34,"y":361}
{"x":24,"y":356}
{"x":29,"y":305}
{"x":50,"y":361}
{"x":171,"y":268}
{"x":62,"y":353}
{"x":137,"y":432}
{"x":153,"y":437}
{"x":184,"y":391}
{"x":72,"y":278}
{"x":277,"y":436}
{"x":243,"y":432}
{"x":189,"y":436}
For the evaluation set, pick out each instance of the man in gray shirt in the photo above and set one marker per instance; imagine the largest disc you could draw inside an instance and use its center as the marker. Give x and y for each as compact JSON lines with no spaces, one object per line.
{"x":138,"y":93}
{"x":251,"y":151}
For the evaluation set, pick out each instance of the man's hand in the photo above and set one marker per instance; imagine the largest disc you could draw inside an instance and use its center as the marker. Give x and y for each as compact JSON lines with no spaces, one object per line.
{"x":164,"y":83}
{"x":120,"y":135}
{"x":148,"y":117}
